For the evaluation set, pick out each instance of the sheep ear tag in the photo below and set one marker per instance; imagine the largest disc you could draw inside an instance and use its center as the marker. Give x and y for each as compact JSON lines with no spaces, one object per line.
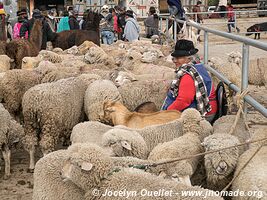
{"x":126,"y":145}
{"x":86,"y":166}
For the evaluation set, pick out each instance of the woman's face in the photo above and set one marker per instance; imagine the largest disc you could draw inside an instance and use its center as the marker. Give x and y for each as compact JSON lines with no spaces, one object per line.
{"x":180,"y":60}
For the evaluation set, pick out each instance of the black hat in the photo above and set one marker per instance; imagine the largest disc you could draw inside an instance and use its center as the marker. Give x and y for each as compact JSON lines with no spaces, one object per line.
{"x":129,"y":13}
{"x":23,"y":11}
{"x":36,"y":13}
{"x":184,"y":48}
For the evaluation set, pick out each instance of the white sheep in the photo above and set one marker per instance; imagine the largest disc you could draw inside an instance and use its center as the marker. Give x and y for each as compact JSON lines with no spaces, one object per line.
{"x":90,"y":132}
{"x":257,"y":68}
{"x":186,"y":145}
{"x":127,"y":76}
{"x":11,"y":133}
{"x":95,"y":95}
{"x":125,"y":143}
{"x":50,"y":56}
{"x":97,"y":55}
{"x":48,"y":183}
{"x":89,"y":167}
{"x":135,"y":93}
{"x":220,"y":165}
{"x":53,"y":109}
{"x":253,"y":177}
{"x":85,"y":46}
{"x":5,"y":62}
{"x":132,"y":62}
{"x":153,"y":135}
{"x":30,"y":62}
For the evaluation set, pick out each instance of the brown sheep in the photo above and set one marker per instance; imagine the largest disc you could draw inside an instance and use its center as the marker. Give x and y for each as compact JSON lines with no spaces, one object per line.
{"x":118,"y":114}
{"x":18,"y":49}
{"x":146,"y":107}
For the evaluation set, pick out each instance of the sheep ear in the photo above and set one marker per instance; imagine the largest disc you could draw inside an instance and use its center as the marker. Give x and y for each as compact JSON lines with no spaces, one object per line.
{"x":86,"y":166}
{"x":126,"y":145}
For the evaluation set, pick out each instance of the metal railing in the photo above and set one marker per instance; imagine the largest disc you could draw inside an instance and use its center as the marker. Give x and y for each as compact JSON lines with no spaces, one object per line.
{"x":247,"y":42}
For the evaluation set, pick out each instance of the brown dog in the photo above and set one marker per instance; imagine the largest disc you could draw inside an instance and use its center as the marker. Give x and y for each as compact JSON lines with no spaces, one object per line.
{"x":118,"y":114}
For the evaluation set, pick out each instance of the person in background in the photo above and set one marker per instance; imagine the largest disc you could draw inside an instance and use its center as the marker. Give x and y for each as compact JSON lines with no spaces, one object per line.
{"x":231,"y":18}
{"x":81,"y":23}
{"x":177,"y":12}
{"x":152,"y":23}
{"x":16,"y":30}
{"x":3,"y":33}
{"x":107,"y":26}
{"x":48,"y":34}
{"x":132,"y":29}
{"x":198,"y":17}
{"x":63,"y":24}
{"x":121,"y":21}
{"x":73,"y":22}
{"x":193,"y":87}
{"x":116,"y":28}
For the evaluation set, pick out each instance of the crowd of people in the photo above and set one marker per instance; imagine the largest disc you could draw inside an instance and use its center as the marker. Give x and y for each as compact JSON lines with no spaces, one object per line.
{"x":116,"y":23}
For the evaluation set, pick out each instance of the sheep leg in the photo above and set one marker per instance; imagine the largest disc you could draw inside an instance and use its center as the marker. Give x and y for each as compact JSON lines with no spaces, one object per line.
{"x":6,"y":155}
{"x":29,"y":142}
{"x":32,"y":159}
{"x":50,"y":137}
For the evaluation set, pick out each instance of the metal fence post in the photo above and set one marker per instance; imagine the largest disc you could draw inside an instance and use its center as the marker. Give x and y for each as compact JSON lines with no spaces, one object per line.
{"x":160,"y":24}
{"x":206,"y":48}
{"x":245,"y":68}
{"x":175,"y":31}
{"x":167,"y":26}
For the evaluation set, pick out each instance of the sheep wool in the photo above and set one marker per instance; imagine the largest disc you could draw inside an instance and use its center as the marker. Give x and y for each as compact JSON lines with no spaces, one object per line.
{"x":48,"y":183}
{"x":5,"y":62}
{"x":89,"y":132}
{"x":221,"y":165}
{"x":11,"y":132}
{"x":186,"y":145}
{"x":95,"y":96}
{"x":135,"y":93}
{"x":90,"y":168}
{"x":53,"y":109}
{"x":254,"y":176}
{"x":125,"y":143}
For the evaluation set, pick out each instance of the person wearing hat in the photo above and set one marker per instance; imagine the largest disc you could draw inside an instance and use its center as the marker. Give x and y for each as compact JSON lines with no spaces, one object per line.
{"x":198,"y":17}
{"x":73,"y":22}
{"x":22,"y":15}
{"x":48,"y":34}
{"x":107,"y":27}
{"x":132,"y":29}
{"x":152,"y":23}
{"x":193,"y":87}
{"x":3,"y":33}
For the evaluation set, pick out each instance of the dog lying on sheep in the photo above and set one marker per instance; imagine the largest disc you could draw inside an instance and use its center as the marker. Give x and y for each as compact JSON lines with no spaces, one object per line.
{"x":118,"y":114}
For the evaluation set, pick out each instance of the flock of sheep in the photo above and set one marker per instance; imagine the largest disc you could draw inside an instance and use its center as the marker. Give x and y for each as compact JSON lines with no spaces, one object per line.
{"x":61,"y":96}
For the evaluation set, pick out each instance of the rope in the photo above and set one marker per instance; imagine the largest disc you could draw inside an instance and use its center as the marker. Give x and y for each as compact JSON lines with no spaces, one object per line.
{"x":146,"y":166}
{"x":238,"y":173}
{"x":240,"y":103}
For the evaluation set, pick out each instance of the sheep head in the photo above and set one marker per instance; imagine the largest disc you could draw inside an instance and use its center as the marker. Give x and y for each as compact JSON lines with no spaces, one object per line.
{"x":86,"y":166}
{"x":220,"y":165}
{"x":235,"y":57}
{"x":124,"y":142}
{"x":124,"y":77}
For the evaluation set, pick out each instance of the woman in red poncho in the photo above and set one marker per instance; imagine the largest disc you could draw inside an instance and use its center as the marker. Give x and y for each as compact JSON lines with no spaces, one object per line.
{"x":193,"y":87}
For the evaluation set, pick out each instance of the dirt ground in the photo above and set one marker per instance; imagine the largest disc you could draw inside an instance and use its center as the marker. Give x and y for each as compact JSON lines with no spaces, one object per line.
{"x":19,"y":186}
